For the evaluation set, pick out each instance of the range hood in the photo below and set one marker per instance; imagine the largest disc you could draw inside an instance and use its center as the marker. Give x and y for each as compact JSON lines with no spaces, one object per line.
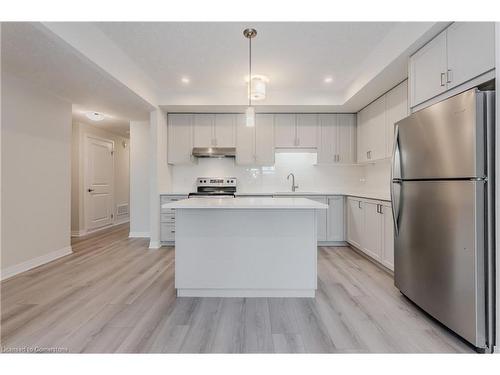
{"x":214,"y":152}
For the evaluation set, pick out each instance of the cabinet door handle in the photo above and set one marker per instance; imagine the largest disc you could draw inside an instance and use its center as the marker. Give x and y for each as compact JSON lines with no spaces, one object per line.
{"x":448,"y":76}
{"x":442,"y":79}
{"x":359,"y":204}
{"x":381,"y":209}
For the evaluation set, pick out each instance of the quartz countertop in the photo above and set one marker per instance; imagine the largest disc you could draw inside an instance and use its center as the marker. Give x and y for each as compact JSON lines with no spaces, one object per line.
{"x":261,"y":203}
{"x":367,"y":194}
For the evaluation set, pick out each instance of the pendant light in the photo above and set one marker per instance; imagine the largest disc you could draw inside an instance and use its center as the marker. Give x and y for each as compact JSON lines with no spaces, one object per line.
{"x":250,"y":111}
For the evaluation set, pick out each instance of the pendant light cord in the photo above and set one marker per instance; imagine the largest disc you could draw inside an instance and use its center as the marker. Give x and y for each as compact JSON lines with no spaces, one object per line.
{"x":249,"y":72}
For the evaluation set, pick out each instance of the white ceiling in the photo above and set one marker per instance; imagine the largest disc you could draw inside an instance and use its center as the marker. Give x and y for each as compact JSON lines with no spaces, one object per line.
{"x":113,"y":124}
{"x":31,"y":52}
{"x":295,"y":56}
{"x":364,"y":59}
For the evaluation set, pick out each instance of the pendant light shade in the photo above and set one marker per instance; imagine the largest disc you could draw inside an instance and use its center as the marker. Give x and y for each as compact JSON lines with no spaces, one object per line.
{"x":258,"y":87}
{"x":250,"y":117}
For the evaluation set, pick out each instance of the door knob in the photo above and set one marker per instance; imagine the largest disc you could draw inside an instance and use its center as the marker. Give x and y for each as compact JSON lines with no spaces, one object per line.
{"x":90,"y":190}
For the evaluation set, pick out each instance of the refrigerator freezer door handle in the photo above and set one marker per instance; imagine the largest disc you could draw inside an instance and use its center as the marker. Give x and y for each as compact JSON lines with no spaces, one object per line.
{"x":395,"y":155}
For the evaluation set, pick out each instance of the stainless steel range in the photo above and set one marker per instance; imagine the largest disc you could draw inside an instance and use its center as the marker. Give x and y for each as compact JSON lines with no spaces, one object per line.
{"x":215,"y":187}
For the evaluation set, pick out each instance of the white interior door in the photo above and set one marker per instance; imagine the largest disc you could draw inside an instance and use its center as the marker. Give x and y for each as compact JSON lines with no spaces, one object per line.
{"x":99,"y":174}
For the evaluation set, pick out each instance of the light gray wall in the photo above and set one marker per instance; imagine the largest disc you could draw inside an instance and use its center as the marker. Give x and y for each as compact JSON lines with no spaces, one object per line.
{"x":36,"y":172}
{"x":140,"y":160}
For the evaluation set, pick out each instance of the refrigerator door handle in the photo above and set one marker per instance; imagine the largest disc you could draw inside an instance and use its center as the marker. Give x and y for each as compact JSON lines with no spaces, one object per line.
{"x":395,"y":179}
{"x":395,"y":206}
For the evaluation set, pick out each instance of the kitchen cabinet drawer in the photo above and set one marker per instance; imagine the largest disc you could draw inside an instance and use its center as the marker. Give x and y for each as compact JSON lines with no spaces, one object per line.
{"x":167,"y":232}
{"x":168,"y":199}
{"x":168,"y":217}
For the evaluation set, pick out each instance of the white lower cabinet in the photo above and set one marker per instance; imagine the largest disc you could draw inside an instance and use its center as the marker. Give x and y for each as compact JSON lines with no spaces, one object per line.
{"x":330,"y":222}
{"x":167,"y":218}
{"x":322,"y":218}
{"x":369,"y":228}
{"x":335,"y":218}
{"x":355,"y":221}
{"x":371,"y":238}
{"x":388,"y":236}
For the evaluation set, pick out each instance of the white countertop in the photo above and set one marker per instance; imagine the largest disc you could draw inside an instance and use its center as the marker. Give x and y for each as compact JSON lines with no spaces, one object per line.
{"x":260,"y":203}
{"x":368,"y":194}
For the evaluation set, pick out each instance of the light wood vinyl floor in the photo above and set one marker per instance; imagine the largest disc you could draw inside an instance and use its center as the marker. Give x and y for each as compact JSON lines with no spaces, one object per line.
{"x":115,"y":295}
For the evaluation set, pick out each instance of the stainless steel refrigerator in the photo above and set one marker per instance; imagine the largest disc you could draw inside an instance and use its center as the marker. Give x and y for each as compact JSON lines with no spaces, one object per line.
{"x":442,"y":194}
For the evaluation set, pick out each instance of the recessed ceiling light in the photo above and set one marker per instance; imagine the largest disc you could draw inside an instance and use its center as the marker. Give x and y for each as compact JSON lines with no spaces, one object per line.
{"x":185,"y":80}
{"x":328,"y":79}
{"x":95,"y":116}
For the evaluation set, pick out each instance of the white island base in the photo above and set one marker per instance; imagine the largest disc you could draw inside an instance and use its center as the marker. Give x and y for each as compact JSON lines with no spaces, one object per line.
{"x":250,"y":251}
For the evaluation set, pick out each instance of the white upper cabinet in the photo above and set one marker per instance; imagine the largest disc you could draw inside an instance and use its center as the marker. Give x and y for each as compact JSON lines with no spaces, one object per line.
{"x":224,"y":131}
{"x":464,"y":51}
{"x":336,"y":138}
{"x":245,"y":142}
{"x":255,"y":145}
{"x":372,"y":131}
{"x":376,"y":140}
{"x":346,"y":138}
{"x":307,"y":130}
{"x":264,"y":139}
{"x":327,"y":138}
{"x":470,"y":50}
{"x":362,"y":155}
{"x":214,"y":130}
{"x":375,"y":130}
{"x":284,"y":130}
{"x":204,"y":130}
{"x":296,"y":130}
{"x":428,"y":70}
{"x":180,"y":138}
{"x":396,"y":110}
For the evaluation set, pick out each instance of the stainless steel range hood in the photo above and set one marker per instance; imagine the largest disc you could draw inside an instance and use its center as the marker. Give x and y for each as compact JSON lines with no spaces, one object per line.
{"x":214,"y":152}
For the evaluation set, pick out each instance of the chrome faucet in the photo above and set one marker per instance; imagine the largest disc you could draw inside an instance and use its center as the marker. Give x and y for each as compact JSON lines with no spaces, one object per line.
{"x":294,"y":187}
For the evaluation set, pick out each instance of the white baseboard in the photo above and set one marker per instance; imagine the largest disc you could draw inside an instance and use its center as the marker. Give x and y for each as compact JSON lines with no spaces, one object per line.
{"x":139,"y":235}
{"x":154,"y":244}
{"x":35,"y":262}
{"x":84,"y":232}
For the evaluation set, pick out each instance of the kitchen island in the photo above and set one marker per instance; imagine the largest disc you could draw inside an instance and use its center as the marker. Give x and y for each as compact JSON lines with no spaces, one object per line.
{"x":246,"y":247}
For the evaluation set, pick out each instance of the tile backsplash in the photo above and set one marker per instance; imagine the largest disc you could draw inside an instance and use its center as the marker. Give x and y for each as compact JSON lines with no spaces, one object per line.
{"x":308,"y":176}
